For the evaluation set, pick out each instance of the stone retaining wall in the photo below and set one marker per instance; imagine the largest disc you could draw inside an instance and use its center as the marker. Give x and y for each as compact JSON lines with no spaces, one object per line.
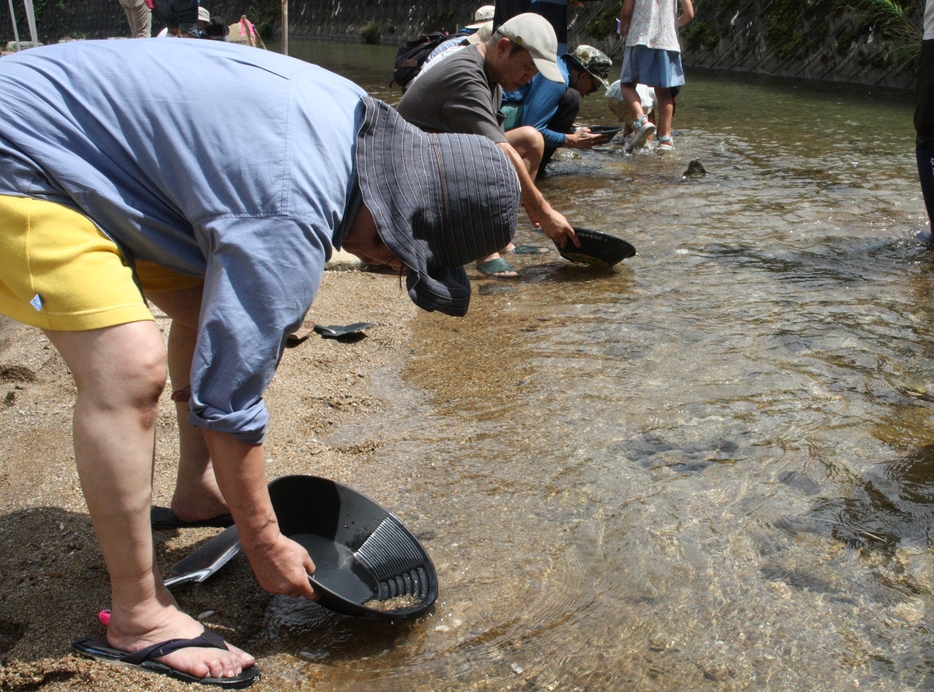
{"x":797,"y":38}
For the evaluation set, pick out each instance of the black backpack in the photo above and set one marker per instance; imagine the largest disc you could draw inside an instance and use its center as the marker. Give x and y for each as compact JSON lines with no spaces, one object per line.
{"x":412,"y":55}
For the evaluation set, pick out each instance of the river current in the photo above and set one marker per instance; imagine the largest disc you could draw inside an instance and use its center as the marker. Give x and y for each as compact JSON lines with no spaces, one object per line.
{"x":710,"y":468}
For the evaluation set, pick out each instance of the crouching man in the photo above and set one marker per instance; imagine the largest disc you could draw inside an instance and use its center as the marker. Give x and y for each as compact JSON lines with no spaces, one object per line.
{"x":552,"y":107}
{"x":461,"y":91}
{"x":112,"y":193}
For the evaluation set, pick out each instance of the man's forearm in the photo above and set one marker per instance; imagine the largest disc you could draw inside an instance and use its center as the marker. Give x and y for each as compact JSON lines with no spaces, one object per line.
{"x":240,"y":469}
{"x":533,"y":200}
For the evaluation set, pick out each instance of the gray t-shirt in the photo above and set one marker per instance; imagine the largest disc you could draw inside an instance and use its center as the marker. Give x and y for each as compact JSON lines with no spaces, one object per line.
{"x":455,"y":95}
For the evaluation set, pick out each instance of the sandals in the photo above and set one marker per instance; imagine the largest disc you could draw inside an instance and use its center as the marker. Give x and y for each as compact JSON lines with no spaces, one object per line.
{"x":665,"y":143}
{"x":164,"y":519}
{"x":100,"y":650}
{"x":497,"y":268}
{"x":530,"y":250}
{"x":641,"y":131}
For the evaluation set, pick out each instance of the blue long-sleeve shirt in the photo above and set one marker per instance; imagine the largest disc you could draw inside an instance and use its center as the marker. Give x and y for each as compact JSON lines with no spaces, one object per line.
{"x":211,"y":159}
{"x":540,"y":103}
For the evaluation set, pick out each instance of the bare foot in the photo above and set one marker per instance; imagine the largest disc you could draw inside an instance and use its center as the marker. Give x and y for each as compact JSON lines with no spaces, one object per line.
{"x":199,"y":498}
{"x":137,"y":632}
{"x":190,"y":508}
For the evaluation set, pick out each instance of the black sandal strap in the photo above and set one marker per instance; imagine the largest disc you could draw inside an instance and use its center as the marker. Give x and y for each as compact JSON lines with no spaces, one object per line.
{"x":207,"y":640}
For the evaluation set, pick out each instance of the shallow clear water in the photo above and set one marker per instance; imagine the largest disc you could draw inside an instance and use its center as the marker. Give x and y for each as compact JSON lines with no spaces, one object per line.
{"x":710,"y":468}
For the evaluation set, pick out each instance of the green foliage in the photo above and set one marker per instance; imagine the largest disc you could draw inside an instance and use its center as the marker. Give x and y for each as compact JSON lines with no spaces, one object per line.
{"x":700,"y":36}
{"x":603,"y":22}
{"x":797,"y":29}
{"x":888,"y":19}
{"x":889,"y":24}
{"x":370,"y":32}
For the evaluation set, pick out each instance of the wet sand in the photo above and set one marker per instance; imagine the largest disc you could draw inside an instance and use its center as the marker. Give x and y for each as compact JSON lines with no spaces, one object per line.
{"x":52,"y":578}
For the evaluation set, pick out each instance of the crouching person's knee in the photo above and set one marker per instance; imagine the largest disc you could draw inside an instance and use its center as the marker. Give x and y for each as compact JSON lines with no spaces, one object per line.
{"x":527,"y":141}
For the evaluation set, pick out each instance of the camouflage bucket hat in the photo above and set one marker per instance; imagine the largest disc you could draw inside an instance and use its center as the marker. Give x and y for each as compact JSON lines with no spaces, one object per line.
{"x":594,"y":61}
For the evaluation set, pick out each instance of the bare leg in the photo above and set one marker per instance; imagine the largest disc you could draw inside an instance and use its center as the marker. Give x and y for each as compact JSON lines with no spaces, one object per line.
{"x":196,"y":494}
{"x":665,"y":110}
{"x":528,"y":143}
{"x":633,"y":102}
{"x":120,"y":373}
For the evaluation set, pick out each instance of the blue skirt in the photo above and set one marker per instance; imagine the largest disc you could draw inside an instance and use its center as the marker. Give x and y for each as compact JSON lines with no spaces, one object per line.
{"x":652,"y":66}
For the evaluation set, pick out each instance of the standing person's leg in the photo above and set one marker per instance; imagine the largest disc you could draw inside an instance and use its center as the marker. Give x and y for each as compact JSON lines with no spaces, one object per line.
{"x":633,"y":102}
{"x":507,"y":9}
{"x":664,"y":111}
{"x":924,"y":126}
{"x":115,"y":352}
{"x":557,"y":15}
{"x":629,"y":78}
{"x":196,"y":494}
{"x":119,"y":373}
{"x":669,"y":73}
{"x":139,"y":17}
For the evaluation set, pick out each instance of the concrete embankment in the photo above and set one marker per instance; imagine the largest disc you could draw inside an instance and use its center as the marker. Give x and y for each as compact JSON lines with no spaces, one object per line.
{"x":812,"y":39}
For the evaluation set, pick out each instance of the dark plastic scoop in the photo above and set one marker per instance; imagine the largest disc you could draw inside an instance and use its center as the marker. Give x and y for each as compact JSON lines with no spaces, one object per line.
{"x":335,"y":332}
{"x":608,"y":131}
{"x":598,"y":249}
{"x":363,"y":555}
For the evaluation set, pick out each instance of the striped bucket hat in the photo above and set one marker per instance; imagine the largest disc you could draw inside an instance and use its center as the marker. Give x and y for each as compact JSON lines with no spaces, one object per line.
{"x":440,"y":201}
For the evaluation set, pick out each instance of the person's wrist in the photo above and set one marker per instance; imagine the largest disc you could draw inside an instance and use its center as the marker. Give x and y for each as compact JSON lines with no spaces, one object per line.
{"x":256,"y":537}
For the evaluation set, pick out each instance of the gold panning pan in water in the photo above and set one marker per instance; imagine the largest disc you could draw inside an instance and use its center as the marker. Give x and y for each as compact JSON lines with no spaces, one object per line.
{"x":367,"y":562}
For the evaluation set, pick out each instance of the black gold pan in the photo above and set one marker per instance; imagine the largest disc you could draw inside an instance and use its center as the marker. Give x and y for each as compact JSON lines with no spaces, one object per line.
{"x":608,"y":131}
{"x":368,"y":563}
{"x":597,"y":249}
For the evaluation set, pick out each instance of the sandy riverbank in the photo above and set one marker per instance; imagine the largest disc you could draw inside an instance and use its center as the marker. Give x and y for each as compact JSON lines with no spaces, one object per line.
{"x":53,"y":581}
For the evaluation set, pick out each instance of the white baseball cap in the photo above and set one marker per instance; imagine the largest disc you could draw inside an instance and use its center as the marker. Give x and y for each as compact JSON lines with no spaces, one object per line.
{"x":482,"y":34}
{"x":534,"y":33}
{"x":204,"y":15}
{"x":483,"y":14}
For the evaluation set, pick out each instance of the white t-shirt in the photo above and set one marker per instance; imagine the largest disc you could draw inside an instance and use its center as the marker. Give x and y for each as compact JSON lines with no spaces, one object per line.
{"x":928,"y":20}
{"x":654,"y":24}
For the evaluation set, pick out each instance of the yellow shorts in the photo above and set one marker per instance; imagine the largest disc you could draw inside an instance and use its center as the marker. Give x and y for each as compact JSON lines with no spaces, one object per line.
{"x":58,"y":271}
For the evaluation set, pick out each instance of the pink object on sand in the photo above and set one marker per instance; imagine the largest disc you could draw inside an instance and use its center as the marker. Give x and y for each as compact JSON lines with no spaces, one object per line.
{"x":104,"y":617}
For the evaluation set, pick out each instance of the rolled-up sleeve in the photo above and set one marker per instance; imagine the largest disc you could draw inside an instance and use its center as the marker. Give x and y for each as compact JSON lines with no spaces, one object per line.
{"x":262,"y":275}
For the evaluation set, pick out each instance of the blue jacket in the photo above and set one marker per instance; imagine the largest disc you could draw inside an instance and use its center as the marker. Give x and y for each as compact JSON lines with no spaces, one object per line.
{"x":540,"y":99}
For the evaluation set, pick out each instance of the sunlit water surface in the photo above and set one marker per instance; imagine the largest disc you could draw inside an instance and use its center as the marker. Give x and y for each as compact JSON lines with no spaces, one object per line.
{"x":709,"y":468}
